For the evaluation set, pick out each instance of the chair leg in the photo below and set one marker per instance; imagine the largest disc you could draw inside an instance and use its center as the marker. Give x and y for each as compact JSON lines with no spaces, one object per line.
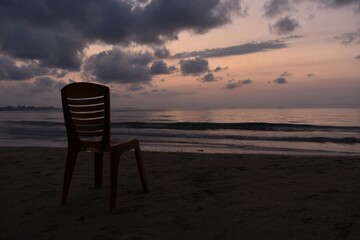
{"x":98,"y":166}
{"x":69,"y":169}
{"x":141,"y":168}
{"x":114,"y":167}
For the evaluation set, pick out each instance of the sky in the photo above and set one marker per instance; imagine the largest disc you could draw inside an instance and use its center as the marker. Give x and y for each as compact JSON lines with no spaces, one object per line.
{"x":167,"y":54}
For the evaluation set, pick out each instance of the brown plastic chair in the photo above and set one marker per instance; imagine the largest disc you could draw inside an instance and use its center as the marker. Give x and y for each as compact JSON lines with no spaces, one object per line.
{"x":86,"y":108}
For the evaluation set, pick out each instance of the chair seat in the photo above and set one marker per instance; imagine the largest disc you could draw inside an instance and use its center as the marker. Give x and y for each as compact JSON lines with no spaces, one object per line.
{"x":117,"y":141}
{"x":123,"y":145}
{"x":92,"y":146}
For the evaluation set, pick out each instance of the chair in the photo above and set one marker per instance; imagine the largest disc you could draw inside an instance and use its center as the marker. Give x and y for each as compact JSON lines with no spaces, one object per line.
{"x":86,"y":108}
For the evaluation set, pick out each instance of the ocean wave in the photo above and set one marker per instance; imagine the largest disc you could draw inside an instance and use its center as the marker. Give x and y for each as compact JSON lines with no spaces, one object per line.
{"x":206,"y":137}
{"x":182,"y":130}
{"x":254,"y":126}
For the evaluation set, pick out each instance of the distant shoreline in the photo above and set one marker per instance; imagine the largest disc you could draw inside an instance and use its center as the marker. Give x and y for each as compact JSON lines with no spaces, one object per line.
{"x":27,"y":108}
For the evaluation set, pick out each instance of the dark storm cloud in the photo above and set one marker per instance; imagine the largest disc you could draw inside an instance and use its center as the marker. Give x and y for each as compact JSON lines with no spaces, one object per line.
{"x":162,"y":53}
{"x":19,"y":40}
{"x":275,"y":8}
{"x":56,"y":33}
{"x":284,"y":25}
{"x":234,"y":50}
{"x":164,"y":19}
{"x":65,"y":54}
{"x":280,"y":80}
{"x":114,"y":21}
{"x":119,"y":67}
{"x":140,"y":58}
{"x":194,"y":66}
{"x":160,"y":67}
{"x":232,"y":84}
{"x":10,"y":71}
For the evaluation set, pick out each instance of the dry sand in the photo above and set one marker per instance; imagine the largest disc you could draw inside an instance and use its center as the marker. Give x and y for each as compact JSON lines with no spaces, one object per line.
{"x":192,"y":196}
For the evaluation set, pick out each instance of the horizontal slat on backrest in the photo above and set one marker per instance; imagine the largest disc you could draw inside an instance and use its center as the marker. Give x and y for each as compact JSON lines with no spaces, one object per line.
{"x":88,"y":115}
{"x":78,"y":109}
{"x":85,"y":101}
{"x":88,"y":121}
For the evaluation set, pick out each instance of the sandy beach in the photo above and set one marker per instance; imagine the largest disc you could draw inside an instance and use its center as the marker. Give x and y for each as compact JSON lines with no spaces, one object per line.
{"x":192,"y":196}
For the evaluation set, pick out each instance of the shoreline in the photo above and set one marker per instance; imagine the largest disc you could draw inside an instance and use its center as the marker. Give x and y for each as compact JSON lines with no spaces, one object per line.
{"x":224,"y":151}
{"x":192,"y":196}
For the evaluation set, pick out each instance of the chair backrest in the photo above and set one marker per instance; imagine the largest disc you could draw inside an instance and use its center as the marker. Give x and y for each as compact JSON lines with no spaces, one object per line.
{"x":86,"y":108}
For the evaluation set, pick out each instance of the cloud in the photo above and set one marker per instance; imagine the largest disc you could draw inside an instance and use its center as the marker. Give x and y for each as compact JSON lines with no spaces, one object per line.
{"x":274,"y":8}
{"x":136,"y":87}
{"x":355,"y":4}
{"x":349,"y":38}
{"x":43,"y":85}
{"x":39,"y":92}
{"x":19,"y":40}
{"x":218,"y":69}
{"x":284,"y":25}
{"x":164,"y":19}
{"x":161,"y":53}
{"x":285,"y":74}
{"x":194,"y":66}
{"x":209,"y":77}
{"x":160,"y":67}
{"x":115,"y":21}
{"x":117,"y":66}
{"x":58,"y":74}
{"x":234,"y":50}
{"x":66,"y":54}
{"x":292,"y":37}
{"x":55,"y":33}
{"x":280,"y":80}
{"x":232,"y":84}
{"x":46,"y":84}
{"x":10,"y":71}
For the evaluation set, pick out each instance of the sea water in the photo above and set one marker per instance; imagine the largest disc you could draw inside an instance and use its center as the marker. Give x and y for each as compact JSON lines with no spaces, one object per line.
{"x":283,"y":130}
